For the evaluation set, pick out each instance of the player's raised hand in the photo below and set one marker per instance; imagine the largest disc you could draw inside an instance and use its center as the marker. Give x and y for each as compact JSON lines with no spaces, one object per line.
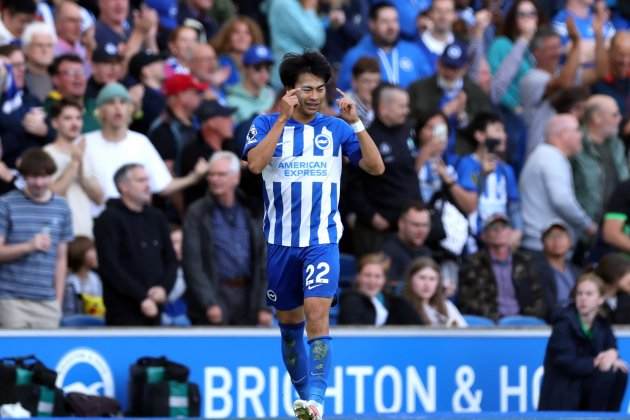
{"x":347,"y":108}
{"x":288,"y":103}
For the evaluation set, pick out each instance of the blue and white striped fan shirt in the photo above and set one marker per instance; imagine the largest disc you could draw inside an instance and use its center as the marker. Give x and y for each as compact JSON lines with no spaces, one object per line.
{"x":301,"y":183}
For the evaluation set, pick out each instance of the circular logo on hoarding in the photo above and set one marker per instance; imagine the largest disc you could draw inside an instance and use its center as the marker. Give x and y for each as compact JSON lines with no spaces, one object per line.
{"x":86,"y":371}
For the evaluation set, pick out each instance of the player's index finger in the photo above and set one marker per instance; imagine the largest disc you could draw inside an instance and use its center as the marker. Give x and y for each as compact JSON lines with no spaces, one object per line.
{"x":291,"y":92}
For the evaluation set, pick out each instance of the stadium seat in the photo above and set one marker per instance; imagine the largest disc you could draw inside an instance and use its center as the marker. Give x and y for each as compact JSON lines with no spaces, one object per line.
{"x":82,"y":321}
{"x":347,"y":269}
{"x":478,"y":321}
{"x":521,"y":321}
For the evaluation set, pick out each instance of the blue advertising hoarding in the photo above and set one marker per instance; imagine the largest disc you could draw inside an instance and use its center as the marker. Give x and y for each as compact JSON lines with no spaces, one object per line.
{"x":240,"y":372}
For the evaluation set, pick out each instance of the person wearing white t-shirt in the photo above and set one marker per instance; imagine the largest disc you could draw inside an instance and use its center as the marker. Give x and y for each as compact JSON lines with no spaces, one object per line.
{"x":115,"y":145}
{"x":73,"y":180}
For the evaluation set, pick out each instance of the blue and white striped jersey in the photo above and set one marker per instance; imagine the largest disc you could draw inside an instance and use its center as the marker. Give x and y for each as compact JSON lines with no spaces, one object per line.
{"x":301,"y":183}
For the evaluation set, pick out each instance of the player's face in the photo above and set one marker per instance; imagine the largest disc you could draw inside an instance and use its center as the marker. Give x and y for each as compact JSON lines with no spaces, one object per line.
{"x":311,"y":93}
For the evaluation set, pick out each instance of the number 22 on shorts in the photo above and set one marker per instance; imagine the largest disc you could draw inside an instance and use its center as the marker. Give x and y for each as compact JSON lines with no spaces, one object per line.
{"x":316,"y":276}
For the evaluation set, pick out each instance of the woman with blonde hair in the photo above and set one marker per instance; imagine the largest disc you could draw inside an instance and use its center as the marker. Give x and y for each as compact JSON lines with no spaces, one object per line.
{"x":235,"y":37}
{"x":425,"y":292}
{"x":368,"y":304}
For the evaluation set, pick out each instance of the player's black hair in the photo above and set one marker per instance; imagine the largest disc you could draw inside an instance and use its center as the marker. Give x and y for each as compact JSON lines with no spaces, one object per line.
{"x":294,"y":65}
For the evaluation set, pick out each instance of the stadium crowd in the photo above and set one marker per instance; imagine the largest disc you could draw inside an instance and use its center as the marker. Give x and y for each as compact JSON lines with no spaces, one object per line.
{"x":504,"y":126}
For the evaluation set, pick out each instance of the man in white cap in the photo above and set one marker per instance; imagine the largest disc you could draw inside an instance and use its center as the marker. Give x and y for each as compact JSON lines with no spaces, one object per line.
{"x":114,"y":145}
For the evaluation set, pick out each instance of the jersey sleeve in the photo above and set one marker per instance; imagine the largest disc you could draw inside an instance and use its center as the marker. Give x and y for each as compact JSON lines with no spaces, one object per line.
{"x":257,"y":132}
{"x":350,"y":145}
{"x":511,"y":184}
{"x":468,"y":173}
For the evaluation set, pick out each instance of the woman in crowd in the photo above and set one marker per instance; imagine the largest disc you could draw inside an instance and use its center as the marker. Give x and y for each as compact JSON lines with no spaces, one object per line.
{"x":583,"y":371}
{"x":234,"y":38}
{"x":425,"y":291}
{"x":368,"y":304}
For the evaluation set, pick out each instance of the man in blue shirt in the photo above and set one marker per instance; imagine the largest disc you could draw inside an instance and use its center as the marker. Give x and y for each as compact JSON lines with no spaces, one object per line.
{"x":401,"y":61}
{"x":299,"y":153}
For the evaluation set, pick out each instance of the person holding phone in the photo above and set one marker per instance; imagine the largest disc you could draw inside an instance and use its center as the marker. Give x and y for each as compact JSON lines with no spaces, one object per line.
{"x":489,"y":182}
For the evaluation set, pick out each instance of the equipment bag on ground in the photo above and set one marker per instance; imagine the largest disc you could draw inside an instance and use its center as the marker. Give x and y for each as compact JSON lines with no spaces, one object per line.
{"x":159,"y":387}
{"x":28,"y":381}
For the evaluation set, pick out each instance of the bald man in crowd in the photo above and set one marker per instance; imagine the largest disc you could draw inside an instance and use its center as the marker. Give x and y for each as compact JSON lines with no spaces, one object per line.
{"x":602,"y":163}
{"x":547,"y":184}
{"x":617,"y":82}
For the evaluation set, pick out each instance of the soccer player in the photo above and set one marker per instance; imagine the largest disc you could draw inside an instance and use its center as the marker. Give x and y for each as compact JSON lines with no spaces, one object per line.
{"x":299,"y":153}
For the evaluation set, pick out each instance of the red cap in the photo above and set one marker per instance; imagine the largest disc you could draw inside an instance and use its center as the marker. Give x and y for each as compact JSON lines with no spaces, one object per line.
{"x":178,"y":83}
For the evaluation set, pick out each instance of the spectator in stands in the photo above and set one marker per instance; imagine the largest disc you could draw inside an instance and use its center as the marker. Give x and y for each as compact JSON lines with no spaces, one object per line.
{"x":489,"y":182}
{"x":68,"y":21}
{"x":614,"y":270}
{"x":114,"y":33}
{"x":615,"y":231}
{"x":198,"y":10}
{"x":366,"y":76}
{"x":434,"y":40}
{"x":35,"y":227}
{"x":147,"y":70}
{"x":15,"y":15}
{"x":546,"y":185}
{"x":425,"y":291}
{"x":498,"y":282}
{"x":181,"y":43}
{"x":409,"y":243}
{"x":22,"y":120}
{"x":617,"y":82}
{"x":451,"y":91}
{"x":115,"y":145}
{"x":602,"y":163}
{"x":38,"y":42}
{"x":232,"y":41}
{"x":591,"y":19}
{"x":348,"y":21}
{"x":217,"y":128}
{"x":70,"y":82}
{"x":378,"y":201}
{"x":556,"y":272}
{"x":408,"y":12}
{"x":368,"y":303}
{"x":176,"y":309}
{"x":203,"y":66}
{"x":509,"y":56}
{"x":72,"y":180}
{"x":106,"y":68}
{"x":137,"y":263}
{"x":84,"y":290}
{"x":401,"y":61}
{"x":583,"y":370}
{"x":546,"y":78}
{"x":252,"y":95}
{"x":293,"y":27}
{"x":226,"y":283}
{"x":177,"y":126}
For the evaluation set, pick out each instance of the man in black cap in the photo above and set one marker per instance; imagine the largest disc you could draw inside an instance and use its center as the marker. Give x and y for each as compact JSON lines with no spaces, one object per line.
{"x":106,"y":68}
{"x":217,"y":127}
{"x":146,"y":69}
{"x":451,"y":91}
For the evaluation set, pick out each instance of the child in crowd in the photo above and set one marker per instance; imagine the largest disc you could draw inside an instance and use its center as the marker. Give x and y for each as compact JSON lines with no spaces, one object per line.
{"x":583,"y":371}
{"x":84,"y":291}
{"x":425,"y":291}
{"x":175,"y":309}
{"x":368,"y":304}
